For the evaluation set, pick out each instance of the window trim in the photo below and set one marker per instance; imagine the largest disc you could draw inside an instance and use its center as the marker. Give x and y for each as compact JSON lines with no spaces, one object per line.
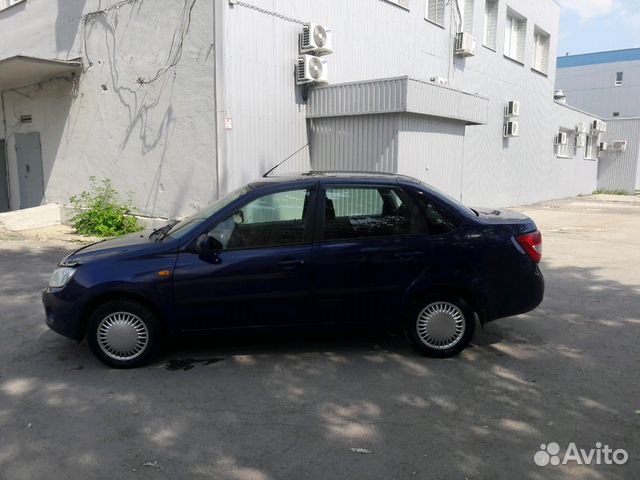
{"x":515,"y":16}
{"x":8,"y":6}
{"x":444,"y":14}
{"x":485,"y":27}
{"x":401,"y":4}
{"x":537,"y":31}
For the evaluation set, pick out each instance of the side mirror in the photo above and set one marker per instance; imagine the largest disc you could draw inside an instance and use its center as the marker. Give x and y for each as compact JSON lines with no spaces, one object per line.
{"x":207,"y":247}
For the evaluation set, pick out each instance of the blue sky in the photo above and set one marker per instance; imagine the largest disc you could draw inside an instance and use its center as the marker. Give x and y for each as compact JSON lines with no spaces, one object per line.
{"x":598,"y":25}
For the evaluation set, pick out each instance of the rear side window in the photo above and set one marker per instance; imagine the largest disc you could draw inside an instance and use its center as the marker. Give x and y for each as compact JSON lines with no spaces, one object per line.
{"x":438,"y":220}
{"x":272,"y":220}
{"x":361,"y":212}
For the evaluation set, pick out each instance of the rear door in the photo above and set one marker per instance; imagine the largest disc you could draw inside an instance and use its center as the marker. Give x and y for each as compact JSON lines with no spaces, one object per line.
{"x":260,"y":276}
{"x":371,"y":245}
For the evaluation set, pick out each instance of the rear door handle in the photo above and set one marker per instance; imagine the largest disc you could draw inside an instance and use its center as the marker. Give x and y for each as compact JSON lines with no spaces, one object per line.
{"x":290,"y":263}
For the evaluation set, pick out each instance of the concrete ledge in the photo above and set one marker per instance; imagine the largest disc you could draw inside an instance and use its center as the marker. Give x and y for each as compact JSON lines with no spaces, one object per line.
{"x":30,"y":218}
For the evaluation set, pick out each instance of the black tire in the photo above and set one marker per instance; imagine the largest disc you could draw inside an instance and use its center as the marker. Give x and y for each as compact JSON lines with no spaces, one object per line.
{"x":459,"y":336}
{"x":138,"y":325}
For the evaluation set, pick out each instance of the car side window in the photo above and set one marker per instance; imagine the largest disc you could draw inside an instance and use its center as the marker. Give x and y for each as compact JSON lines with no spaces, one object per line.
{"x":437,"y":219}
{"x":361,"y":212}
{"x":272,"y":220}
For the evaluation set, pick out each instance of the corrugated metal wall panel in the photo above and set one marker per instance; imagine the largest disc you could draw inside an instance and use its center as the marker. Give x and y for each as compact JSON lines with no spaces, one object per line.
{"x":361,"y":142}
{"x":619,"y":170}
{"x":431,"y":149}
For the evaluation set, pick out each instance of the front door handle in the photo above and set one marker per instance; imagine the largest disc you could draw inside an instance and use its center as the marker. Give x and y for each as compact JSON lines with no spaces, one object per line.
{"x":290,"y":263}
{"x":408,"y":256}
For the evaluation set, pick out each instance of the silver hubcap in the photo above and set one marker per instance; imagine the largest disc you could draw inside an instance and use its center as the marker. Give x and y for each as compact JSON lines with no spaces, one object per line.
{"x":122,"y":336}
{"x":440,"y":325}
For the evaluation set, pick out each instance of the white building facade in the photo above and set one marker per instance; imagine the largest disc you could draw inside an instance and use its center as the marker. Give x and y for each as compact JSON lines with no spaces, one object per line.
{"x":180,"y":101}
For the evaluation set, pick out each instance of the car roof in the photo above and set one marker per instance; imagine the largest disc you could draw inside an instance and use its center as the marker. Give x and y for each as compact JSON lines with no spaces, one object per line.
{"x":330,"y":176}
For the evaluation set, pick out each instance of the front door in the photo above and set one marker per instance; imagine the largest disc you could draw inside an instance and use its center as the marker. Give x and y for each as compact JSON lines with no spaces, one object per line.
{"x":4,"y":183}
{"x":30,"y":175}
{"x":260,"y":274}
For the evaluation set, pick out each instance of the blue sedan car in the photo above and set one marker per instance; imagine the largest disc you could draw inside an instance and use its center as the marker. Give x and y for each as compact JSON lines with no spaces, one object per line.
{"x":314,"y":249}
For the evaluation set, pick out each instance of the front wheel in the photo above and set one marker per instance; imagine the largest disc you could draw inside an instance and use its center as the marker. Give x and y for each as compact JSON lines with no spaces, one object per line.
{"x":123,"y":334}
{"x":440,"y":326}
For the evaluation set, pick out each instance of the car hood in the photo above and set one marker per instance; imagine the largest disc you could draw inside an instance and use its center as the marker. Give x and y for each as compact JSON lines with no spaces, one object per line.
{"x":108,"y":248}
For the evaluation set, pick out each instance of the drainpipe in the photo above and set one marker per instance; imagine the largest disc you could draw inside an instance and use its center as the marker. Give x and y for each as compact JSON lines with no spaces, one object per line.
{"x":219,"y":24}
{"x":6,"y":144}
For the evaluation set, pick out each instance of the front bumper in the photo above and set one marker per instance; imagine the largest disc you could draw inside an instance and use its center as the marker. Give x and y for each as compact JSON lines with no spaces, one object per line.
{"x":63,"y":315}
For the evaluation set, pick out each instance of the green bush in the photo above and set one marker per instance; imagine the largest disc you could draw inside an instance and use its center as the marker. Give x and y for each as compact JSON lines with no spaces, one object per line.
{"x":611,"y":192}
{"x":100,"y":212}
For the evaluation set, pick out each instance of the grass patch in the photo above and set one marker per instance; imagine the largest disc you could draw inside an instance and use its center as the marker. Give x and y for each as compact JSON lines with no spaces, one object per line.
{"x":611,"y":192}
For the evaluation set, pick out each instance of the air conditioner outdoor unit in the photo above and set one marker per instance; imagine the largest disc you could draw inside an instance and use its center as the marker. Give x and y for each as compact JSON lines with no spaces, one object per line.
{"x":310,"y":69}
{"x":582,"y":128}
{"x":619,"y":145}
{"x":603,"y":146}
{"x":465,"y":44}
{"x":599,"y":126}
{"x":561,"y":138}
{"x":581,"y":141}
{"x":443,"y":82}
{"x":315,"y":39}
{"x":512,"y":109}
{"x":512,"y":129}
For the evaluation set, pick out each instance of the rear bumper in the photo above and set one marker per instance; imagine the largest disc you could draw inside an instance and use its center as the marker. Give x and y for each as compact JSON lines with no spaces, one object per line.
{"x":62,"y":316}
{"x":523,"y":295}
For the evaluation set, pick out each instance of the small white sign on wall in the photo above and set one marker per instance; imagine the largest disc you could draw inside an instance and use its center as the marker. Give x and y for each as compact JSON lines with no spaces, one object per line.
{"x":228,"y":123}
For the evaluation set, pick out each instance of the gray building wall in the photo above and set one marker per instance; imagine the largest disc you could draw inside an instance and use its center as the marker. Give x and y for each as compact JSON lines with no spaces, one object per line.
{"x":592,"y":88}
{"x":620,"y":170}
{"x":229,"y":109}
{"x":378,"y":39}
{"x":154,"y":140}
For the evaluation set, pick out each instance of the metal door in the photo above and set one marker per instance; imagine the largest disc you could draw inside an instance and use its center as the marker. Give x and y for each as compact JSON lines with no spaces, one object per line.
{"x":30,"y":176}
{"x":4,"y":185}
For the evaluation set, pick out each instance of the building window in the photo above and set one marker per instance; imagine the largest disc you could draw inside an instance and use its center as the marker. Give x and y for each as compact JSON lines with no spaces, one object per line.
{"x":9,"y":3}
{"x":619,"y":76}
{"x":568,"y":150}
{"x":401,"y":3}
{"x":616,"y":114}
{"x":435,"y":11}
{"x":541,"y":51}
{"x":466,"y":13}
{"x":514,"y":36}
{"x":591,"y":148}
{"x":490,"y":23}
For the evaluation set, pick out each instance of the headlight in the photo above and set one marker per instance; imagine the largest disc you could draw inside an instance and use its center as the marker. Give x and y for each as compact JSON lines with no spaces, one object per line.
{"x":60,"y":277}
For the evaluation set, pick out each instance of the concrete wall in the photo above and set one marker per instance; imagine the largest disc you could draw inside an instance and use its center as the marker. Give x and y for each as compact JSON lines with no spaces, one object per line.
{"x":154,"y":140}
{"x":620,"y":170}
{"x":592,"y":88}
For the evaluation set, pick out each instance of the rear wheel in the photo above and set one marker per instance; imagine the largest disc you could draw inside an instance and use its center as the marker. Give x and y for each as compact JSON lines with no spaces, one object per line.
{"x":440,"y":325}
{"x":123,"y":334}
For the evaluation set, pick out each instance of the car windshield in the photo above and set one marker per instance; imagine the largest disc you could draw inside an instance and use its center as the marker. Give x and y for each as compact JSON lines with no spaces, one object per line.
{"x":185,"y":225}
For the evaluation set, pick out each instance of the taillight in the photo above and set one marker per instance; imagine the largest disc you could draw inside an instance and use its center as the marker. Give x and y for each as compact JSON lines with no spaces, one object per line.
{"x":532,"y":245}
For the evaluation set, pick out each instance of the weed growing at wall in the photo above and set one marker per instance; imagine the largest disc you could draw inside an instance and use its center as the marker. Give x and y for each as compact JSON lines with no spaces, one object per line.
{"x":100,"y":211}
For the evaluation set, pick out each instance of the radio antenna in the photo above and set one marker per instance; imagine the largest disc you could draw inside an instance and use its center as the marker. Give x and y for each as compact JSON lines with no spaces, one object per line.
{"x":294,"y":153}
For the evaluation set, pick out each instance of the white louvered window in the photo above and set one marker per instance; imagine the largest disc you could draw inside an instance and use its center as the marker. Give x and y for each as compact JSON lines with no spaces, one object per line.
{"x":435,"y":11}
{"x":515,"y":33}
{"x":466,"y":14}
{"x":401,"y":3}
{"x":541,"y":51}
{"x":9,"y":3}
{"x":591,"y":150}
{"x":490,"y":23}
{"x":568,"y":150}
